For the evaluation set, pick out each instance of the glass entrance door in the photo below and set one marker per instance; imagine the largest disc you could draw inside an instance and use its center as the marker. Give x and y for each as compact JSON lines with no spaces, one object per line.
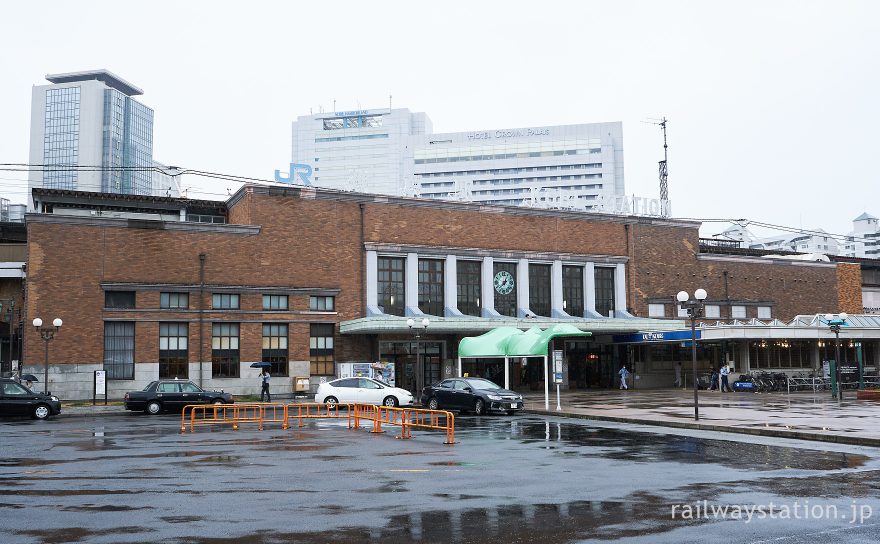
{"x":416,"y":364}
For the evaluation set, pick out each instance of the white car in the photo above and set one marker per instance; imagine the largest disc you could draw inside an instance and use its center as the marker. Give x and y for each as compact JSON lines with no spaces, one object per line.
{"x":362,"y":391}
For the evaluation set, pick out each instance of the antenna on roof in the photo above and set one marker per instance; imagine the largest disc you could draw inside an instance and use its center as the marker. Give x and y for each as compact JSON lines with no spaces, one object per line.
{"x":334,"y":104}
{"x":664,"y":173}
{"x":389,"y":101}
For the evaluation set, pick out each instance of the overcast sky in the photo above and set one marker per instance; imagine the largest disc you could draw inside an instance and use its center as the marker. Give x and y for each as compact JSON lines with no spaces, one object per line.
{"x":772,"y":106}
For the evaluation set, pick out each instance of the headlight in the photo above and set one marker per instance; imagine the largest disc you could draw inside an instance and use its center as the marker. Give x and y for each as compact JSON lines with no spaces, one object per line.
{"x":494,"y":397}
{"x":54,"y":398}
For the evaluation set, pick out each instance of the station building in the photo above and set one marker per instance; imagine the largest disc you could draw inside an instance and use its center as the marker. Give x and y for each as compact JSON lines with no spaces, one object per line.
{"x":308,"y":278}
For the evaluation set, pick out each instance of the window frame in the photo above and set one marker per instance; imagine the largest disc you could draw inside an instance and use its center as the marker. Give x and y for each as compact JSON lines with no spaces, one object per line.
{"x":228,"y":301}
{"x":225,"y":361}
{"x":273,"y":303}
{"x":431,"y":291}
{"x":166,"y":298}
{"x":604,"y":280}
{"x":316,"y":300}
{"x":275,"y":347}
{"x":653,"y":306}
{"x":540,"y":289}
{"x":322,"y":359}
{"x":573,"y":300}
{"x":174,"y":363}
{"x":388,"y":286}
{"x":120,"y":302}
{"x":124,"y":369}
{"x":469,"y":292}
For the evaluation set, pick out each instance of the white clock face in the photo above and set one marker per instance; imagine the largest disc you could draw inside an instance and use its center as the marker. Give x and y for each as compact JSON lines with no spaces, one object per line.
{"x":503,"y":282}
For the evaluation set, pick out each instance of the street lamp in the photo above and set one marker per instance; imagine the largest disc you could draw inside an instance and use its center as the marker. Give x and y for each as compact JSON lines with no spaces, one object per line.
{"x":694,"y":310}
{"x":417,"y":329}
{"x":47,"y":335}
{"x":834,"y":323}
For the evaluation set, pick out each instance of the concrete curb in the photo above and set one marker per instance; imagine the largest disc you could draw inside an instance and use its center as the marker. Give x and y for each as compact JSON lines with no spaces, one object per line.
{"x":776,"y":433}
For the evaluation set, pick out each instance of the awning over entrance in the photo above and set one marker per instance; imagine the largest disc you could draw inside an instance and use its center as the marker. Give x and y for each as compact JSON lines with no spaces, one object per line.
{"x":510,"y":342}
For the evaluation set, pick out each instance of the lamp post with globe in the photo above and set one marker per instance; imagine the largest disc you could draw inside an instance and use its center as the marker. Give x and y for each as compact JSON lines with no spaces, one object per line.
{"x":694,"y":308}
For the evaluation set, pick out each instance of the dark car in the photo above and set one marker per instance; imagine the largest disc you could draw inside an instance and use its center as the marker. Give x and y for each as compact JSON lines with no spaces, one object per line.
{"x":172,"y":395}
{"x":471,"y":394}
{"x":18,"y":400}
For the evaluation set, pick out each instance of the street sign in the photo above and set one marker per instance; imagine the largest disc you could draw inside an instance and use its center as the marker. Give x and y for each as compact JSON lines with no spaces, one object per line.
{"x":100,"y":386}
{"x":557,"y":366}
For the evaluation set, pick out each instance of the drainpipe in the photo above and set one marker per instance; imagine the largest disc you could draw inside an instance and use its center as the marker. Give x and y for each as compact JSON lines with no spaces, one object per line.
{"x":202,"y":258}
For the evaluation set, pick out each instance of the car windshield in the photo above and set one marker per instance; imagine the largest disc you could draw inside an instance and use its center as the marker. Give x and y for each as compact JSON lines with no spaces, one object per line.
{"x":482,"y":384}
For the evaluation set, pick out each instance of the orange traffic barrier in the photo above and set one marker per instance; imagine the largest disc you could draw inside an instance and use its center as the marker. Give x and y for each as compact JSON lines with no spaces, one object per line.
{"x":261,"y":413}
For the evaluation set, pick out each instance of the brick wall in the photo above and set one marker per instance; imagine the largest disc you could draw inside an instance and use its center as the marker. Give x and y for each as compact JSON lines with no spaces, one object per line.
{"x":849,"y":290}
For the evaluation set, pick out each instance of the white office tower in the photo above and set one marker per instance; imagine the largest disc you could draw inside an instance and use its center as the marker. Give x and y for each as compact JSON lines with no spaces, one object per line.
{"x":358,"y":150}
{"x":395,"y":152}
{"x":864,"y":240}
{"x":89,"y":120}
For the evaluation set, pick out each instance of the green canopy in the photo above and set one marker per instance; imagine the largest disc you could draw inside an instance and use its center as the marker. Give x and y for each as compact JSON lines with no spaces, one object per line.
{"x":512,"y":342}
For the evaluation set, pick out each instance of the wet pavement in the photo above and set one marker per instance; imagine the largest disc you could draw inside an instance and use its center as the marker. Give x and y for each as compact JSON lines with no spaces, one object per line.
{"x":802,"y":415}
{"x":509,"y":479}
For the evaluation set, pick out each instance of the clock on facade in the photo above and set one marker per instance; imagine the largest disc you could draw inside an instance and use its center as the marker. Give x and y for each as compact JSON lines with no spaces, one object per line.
{"x":503,"y":282}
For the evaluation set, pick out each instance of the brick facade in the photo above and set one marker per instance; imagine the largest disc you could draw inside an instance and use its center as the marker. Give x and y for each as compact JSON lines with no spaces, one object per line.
{"x":305,"y":241}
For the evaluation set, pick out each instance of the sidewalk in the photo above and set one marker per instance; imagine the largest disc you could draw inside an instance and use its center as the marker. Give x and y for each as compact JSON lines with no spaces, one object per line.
{"x":805,"y":416}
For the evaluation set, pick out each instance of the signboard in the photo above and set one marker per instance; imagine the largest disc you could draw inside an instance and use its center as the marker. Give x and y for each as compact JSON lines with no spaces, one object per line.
{"x":100,"y":382}
{"x":557,"y":366}
{"x":826,"y":369}
{"x":642,"y":337}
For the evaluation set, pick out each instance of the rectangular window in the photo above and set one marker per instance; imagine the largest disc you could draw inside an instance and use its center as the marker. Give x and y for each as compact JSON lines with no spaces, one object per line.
{"x":275,"y":348}
{"x":431,"y":286}
{"x":274,"y":302}
{"x":469,"y":287}
{"x":321,"y":349}
{"x":322,"y":304}
{"x":656,"y":310}
{"x":223,"y":301}
{"x":738,"y":312}
{"x":713,"y":311}
{"x":224,"y":350}
{"x":764,"y":312}
{"x":173,"y":354}
{"x":174,"y":300}
{"x":605,"y":291}
{"x":391,"y":284}
{"x":573,"y":290}
{"x":539,"y":289}
{"x":119,"y":299}
{"x":682,"y":312}
{"x":119,"y":350}
{"x":504,"y":282}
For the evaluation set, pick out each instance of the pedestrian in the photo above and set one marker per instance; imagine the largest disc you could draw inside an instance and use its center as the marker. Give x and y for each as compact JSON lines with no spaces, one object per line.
{"x":725,"y":384}
{"x":678,"y":374}
{"x":714,"y":384}
{"x":623,"y":375}
{"x":264,"y":392}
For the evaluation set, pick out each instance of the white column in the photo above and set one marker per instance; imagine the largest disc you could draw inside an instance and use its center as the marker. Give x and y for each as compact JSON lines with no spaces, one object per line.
{"x":372,"y":286}
{"x":459,"y":367}
{"x":556,"y":309}
{"x":412,"y":284}
{"x":506,"y":373}
{"x":450,"y":286}
{"x":546,"y":386}
{"x":522,"y":287}
{"x":620,"y":287}
{"x":487,"y":288}
{"x":590,"y":288}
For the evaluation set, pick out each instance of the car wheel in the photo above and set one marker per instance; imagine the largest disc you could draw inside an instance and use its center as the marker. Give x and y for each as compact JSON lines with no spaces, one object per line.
{"x":479,"y":407}
{"x":433,"y":404}
{"x":218,"y":401}
{"x":154,"y":408}
{"x":41,"y":411}
{"x":331,"y":400}
{"x":390,"y":401}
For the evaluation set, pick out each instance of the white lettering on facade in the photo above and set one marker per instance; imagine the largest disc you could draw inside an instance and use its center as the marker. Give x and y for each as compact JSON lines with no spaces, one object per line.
{"x":511,"y":133}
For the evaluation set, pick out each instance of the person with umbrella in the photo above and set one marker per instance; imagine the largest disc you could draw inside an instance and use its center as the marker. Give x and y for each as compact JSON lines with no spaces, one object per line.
{"x":264,"y":380}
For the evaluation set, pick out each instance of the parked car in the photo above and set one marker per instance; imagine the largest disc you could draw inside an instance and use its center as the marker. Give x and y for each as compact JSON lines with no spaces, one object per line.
{"x":169,"y":395}
{"x":471,"y":394}
{"x":364,"y":391}
{"x":18,"y":400}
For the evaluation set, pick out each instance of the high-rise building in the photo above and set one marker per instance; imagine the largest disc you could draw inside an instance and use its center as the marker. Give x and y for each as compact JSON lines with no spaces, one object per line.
{"x":864,"y":240}
{"x":395,"y":152}
{"x":91,"y":135}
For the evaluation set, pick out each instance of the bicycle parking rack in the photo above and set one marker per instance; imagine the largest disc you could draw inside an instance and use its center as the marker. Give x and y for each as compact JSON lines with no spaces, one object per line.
{"x":261,"y":413}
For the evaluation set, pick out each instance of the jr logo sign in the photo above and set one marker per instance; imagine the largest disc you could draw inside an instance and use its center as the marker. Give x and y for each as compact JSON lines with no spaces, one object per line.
{"x":303,"y":171}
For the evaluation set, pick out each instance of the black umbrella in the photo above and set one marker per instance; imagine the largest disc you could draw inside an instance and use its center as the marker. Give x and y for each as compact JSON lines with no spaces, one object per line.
{"x":261,"y":365}
{"x":29,"y":378}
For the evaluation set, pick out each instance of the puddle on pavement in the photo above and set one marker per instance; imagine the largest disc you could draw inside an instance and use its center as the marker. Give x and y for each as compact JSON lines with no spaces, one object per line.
{"x":80,"y":534}
{"x":627,"y":445}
